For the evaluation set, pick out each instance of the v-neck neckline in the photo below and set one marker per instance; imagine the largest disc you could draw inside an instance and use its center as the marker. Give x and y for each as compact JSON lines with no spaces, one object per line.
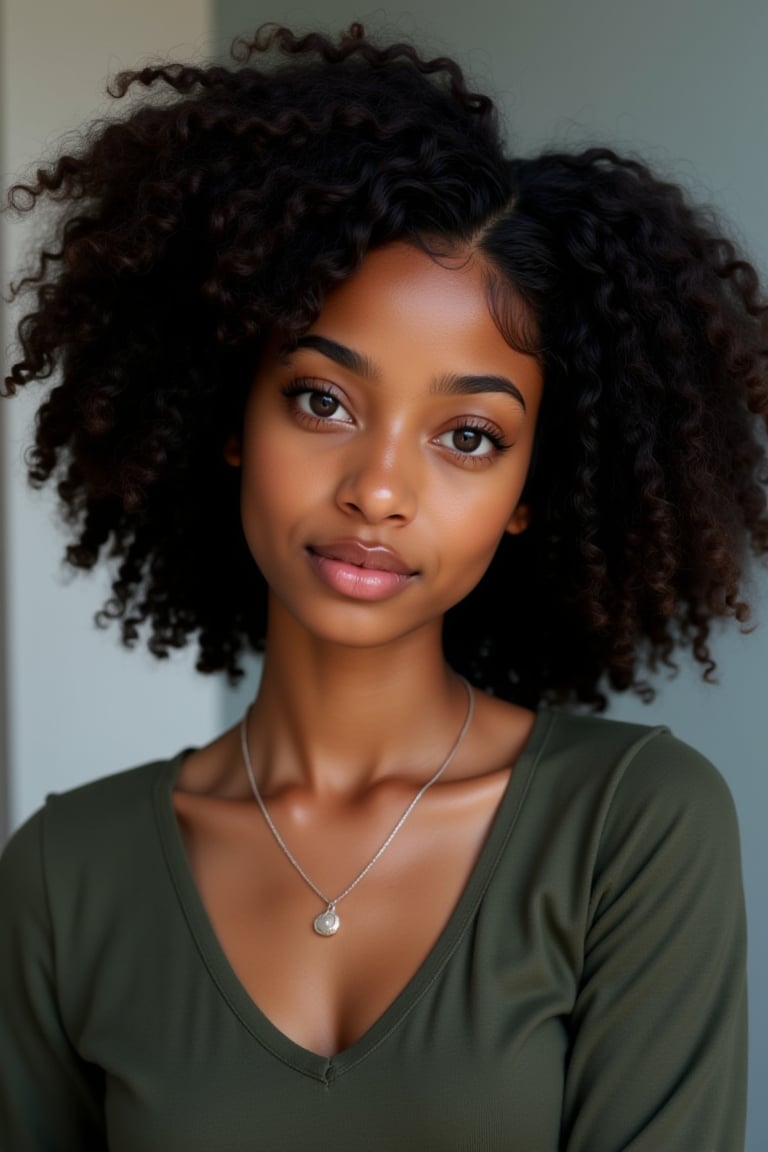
{"x":325,"y":1068}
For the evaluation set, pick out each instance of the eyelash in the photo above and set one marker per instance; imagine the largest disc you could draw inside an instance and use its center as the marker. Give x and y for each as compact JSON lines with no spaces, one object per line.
{"x":302,"y":386}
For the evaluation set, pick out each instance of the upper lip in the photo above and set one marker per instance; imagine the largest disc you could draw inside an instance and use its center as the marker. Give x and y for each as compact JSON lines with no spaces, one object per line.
{"x":375,"y":556}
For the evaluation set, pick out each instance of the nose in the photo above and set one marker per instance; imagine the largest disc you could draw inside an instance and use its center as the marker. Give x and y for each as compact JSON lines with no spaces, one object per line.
{"x":379,"y":480}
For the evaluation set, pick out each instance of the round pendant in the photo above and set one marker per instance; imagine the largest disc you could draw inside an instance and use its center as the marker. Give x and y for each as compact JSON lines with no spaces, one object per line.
{"x":327,"y":923}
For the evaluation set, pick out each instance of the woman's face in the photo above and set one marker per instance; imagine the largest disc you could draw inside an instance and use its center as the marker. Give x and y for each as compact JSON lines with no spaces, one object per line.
{"x":384,"y":458}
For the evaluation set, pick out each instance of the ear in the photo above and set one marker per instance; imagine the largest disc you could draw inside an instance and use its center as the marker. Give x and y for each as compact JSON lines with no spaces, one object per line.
{"x":233,"y":451}
{"x":519,"y":520}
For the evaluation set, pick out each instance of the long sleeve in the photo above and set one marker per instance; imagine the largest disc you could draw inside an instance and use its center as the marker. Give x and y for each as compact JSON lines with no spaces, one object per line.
{"x":658,"y":1034}
{"x":50,"y":1099}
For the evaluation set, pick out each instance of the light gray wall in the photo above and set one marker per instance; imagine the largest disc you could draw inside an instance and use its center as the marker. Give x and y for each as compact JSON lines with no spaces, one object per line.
{"x":685,"y":82}
{"x":78,"y":705}
{"x":5,"y":816}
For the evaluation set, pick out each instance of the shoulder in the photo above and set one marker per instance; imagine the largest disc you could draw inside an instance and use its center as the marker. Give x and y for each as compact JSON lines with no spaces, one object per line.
{"x":103,"y":819}
{"x":636,"y":787}
{"x":631,"y":760}
{"x":120,"y":787}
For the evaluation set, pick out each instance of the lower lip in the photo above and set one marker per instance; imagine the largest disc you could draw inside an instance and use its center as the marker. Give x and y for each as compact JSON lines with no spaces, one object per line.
{"x":358,"y":583}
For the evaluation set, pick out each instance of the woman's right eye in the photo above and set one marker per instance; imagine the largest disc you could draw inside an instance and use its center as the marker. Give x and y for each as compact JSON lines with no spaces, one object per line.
{"x":317,"y":403}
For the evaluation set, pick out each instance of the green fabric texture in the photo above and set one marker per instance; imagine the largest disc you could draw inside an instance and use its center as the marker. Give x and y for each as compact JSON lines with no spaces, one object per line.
{"x":586,"y":995}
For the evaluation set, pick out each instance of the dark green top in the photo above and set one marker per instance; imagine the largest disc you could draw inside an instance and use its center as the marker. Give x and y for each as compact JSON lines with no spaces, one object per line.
{"x":587,"y":993}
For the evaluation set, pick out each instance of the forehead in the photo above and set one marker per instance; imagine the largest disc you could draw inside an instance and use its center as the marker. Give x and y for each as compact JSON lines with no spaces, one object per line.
{"x":406,"y":309}
{"x":413,"y":288}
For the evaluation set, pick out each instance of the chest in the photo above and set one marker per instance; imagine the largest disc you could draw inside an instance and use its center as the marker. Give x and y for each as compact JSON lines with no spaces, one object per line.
{"x":470,"y":1051}
{"x":326,"y":992}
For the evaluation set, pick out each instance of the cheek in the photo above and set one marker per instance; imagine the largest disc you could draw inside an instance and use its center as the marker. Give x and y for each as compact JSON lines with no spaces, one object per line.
{"x":471,"y":537}
{"x":280,"y":489}
{"x":267,"y":496}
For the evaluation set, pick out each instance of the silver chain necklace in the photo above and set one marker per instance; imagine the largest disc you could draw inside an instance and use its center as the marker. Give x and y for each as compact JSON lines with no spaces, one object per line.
{"x":327,"y":923}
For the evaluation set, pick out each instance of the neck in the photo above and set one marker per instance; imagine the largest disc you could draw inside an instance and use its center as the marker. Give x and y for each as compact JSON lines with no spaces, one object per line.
{"x":335,"y":719}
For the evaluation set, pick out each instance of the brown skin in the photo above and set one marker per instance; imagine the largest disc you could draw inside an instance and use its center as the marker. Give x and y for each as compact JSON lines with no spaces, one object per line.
{"x":356,"y":707}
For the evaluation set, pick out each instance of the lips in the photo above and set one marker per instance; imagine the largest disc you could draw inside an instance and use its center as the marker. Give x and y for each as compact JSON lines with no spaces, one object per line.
{"x":370,"y":556}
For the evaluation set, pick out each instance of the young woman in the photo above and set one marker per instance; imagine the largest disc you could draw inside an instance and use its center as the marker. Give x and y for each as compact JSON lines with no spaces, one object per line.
{"x":454,"y":439}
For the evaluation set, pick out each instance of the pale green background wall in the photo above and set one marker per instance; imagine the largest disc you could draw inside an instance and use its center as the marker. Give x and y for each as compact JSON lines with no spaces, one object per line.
{"x":684,"y":81}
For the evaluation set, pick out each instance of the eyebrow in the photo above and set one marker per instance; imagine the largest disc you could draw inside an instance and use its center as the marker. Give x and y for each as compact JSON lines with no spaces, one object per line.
{"x":472,"y":385}
{"x":345,"y":357}
{"x":362,"y":366}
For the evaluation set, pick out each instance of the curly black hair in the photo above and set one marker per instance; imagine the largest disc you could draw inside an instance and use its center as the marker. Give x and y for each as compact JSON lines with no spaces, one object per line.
{"x":188,"y":230}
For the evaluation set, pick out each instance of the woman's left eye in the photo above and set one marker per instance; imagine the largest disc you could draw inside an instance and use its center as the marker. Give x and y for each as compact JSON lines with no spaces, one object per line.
{"x":470,"y":441}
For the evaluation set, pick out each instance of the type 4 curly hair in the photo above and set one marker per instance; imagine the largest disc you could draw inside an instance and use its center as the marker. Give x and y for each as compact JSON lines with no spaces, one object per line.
{"x":229,"y":201}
